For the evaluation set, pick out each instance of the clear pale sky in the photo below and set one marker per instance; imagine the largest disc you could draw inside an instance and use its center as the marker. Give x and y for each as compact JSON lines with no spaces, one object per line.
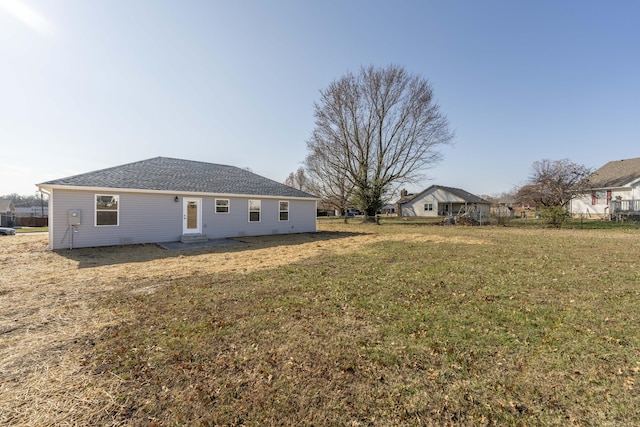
{"x":86,"y":85}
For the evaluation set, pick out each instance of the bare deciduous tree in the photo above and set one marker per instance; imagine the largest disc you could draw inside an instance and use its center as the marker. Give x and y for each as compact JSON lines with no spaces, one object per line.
{"x":27,"y":201}
{"x":299,"y":180}
{"x":555,"y":182}
{"x":329,"y":181}
{"x":379,"y":129}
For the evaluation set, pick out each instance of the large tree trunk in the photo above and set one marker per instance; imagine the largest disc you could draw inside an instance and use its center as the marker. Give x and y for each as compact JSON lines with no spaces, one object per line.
{"x":371,"y":215}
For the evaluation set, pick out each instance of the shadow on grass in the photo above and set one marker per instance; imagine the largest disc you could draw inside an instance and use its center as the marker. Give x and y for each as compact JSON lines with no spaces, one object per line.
{"x":112,"y":255}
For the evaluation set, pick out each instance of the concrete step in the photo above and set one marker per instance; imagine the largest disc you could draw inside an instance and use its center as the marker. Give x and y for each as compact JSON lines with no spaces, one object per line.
{"x":193,"y":238}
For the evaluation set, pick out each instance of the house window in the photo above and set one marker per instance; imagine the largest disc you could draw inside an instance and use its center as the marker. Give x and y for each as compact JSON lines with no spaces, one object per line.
{"x":254,"y":210}
{"x":222,"y":205}
{"x":284,"y":211}
{"x":599,"y":197}
{"x":107,"y":209}
{"x":428,"y":207}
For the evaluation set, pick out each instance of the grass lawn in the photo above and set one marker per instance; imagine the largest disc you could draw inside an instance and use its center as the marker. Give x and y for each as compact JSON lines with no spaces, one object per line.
{"x":31,"y":229}
{"x":424,"y":325}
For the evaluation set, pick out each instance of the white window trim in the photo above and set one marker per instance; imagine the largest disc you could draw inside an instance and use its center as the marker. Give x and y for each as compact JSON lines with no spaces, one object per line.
{"x":95,"y":210}
{"x":215,"y":207}
{"x":287,"y":211}
{"x":259,"y":210}
{"x":428,"y":207}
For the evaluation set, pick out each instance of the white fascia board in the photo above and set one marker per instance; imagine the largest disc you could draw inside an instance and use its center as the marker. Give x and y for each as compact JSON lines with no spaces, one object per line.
{"x":49,"y":188}
{"x":611,"y":188}
{"x":634,"y":182}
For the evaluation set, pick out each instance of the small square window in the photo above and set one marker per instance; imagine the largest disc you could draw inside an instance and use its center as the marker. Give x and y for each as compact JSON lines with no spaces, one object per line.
{"x":428,"y":207}
{"x":107,"y":209}
{"x":222,"y":205}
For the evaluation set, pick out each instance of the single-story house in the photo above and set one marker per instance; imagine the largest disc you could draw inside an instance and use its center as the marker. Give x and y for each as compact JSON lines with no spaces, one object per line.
{"x":7,"y":213}
{"x":615,"y":187}
{"x":389,"y":209}
{"x":438,"y":200}
{"x":165,"y":199}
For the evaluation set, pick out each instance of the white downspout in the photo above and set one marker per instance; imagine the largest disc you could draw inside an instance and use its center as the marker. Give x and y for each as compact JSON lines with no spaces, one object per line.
{"x":49,"y":215}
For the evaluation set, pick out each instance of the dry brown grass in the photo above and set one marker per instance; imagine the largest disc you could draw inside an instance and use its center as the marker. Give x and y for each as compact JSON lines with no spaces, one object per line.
{"x":49,"y":312}
{"x":380,"y":316}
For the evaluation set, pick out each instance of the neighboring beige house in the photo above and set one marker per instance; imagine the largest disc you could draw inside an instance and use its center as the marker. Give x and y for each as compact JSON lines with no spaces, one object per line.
{"x":438,"y":200}
{"x":7,"y":213}
{"x":615,"y":188}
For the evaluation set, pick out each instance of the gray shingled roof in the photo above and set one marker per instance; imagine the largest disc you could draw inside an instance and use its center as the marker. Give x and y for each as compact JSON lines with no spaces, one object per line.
{"x":463,"y":194}
{"x":617,"y":173}
{"x":167,"y":174}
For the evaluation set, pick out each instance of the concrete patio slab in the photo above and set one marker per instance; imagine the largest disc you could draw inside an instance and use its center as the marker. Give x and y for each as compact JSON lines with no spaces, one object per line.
{"x":211,"y":243}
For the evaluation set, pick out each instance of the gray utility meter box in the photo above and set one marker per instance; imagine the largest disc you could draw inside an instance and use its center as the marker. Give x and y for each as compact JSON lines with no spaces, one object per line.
{"x":74,"y":217}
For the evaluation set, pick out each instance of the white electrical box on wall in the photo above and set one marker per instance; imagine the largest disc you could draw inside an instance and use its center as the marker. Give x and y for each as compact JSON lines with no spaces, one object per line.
{"x":74,"y":217}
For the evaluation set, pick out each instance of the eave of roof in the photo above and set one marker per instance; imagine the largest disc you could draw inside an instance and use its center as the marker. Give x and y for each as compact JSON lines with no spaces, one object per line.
{"x":49,"y":188}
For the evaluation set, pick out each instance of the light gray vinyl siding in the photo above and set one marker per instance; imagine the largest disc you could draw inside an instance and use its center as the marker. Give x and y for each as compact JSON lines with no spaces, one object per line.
{"x":302,"y":218}
{"x":150,"y":218}
{"x":416,"y":206}
{"x":143,"y":218}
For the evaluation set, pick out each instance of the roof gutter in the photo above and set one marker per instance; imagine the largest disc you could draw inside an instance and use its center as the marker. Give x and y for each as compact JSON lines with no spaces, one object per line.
{"x":610,"y":188}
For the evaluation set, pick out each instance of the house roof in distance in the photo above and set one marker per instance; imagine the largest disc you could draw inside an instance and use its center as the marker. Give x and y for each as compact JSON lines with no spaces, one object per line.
{"x":6,"y":205}
{"x":458,"y":192}
{"x":617,"y":173}
{"x":177,"y":175}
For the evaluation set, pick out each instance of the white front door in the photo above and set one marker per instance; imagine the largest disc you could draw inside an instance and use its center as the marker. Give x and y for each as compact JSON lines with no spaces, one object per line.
{"x":192,"y":215}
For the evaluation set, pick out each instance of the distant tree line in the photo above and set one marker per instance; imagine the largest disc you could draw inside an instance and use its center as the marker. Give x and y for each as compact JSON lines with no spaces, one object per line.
{"x":20,"y":201}
{"x":551,"y":183}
